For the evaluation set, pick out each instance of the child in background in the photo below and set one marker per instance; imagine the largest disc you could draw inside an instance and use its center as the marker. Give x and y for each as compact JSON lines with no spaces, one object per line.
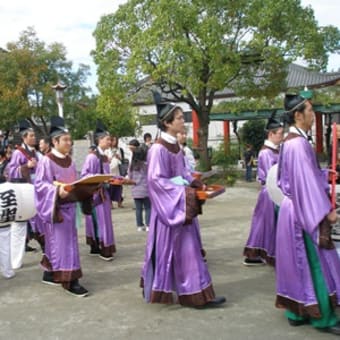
{"x":138,"y":173}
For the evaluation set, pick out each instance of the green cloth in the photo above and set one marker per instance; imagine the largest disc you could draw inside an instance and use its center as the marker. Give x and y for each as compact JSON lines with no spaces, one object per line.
{"x":78,"y":216}
{"x":328,"y":316}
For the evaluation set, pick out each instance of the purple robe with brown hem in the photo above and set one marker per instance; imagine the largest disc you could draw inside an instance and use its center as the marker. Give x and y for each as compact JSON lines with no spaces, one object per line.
{"x":102,"y":202}
{"x":173,"y":261}
{"x":61,"y":240}
{"x":304,"y":209}
{"x":261,"y":240}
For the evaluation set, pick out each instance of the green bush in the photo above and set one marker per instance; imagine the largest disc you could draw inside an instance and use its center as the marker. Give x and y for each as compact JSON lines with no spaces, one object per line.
{"x":225,"y":160}
{"x":226,"y":178}
{"x":252,"y":132}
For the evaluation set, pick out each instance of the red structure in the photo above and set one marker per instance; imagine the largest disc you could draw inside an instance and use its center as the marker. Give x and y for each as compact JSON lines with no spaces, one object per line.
{"x":226,"y":135}
{"x":318,"y":132}
{"x":195,"y":128}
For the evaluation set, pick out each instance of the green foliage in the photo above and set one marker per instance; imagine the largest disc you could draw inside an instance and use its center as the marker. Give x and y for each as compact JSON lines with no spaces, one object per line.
{"x":147,"y":119}
{"x":326,"y":95}
{"x":248,"y":104}
{"x":191,"y":49}
{"x":225,"y":159}
{"x":226,"y":178}
{"x":28,"y":69}
{"x":252,"y":132}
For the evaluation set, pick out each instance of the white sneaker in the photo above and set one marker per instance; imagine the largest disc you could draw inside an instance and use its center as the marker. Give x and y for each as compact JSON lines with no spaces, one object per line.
{"x":9,"y":275}
{"x":140,"y":228}
{"x":147,"y":228}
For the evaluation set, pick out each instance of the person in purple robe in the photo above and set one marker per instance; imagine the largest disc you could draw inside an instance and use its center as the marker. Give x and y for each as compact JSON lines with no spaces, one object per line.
{"x":173,"y":262}
{"x":307,"y":264}
{"x":21,"y":168}
{"x":260,"y":247}
{"x":60,"y":261}
{"x":99,"y":227}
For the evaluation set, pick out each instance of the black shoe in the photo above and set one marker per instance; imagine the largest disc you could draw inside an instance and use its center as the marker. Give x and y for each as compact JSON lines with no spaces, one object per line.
{"x":48,"y":279}
{"x":95,"y":251}
{"x":253,"y":262}
{"x":296,"y":323}
{"x":217,"y":302}
{"x":77,"y":290}
{"x":333,"y":330}
{"x":29,"y":248}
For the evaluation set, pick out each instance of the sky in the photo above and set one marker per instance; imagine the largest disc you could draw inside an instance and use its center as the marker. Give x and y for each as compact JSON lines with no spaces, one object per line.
{"x":72,"y":22}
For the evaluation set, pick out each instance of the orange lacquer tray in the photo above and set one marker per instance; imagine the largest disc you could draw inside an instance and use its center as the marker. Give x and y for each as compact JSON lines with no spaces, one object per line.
{"x":211,"y":191}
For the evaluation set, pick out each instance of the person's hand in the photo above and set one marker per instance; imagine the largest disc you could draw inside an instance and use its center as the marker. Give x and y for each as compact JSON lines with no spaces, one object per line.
{"x":332,"y":216}
{"x":332,"y":173}
{"x":62,"y":192}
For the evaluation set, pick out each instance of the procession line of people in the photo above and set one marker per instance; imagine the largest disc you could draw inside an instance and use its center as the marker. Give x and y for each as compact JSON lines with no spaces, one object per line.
{"x":297,"y":237}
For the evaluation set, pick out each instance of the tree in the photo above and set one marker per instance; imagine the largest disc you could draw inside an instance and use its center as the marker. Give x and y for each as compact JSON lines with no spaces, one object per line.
{"x":252,"y":132}
{"x":194,"y":48}
{"x":28,"y":68}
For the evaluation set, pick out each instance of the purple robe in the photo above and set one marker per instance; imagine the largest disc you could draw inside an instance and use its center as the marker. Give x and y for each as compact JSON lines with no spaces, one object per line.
{"x":17,"y":169}
{"x":104,"y":235}
{"x":173,"y":260}
{"x":305,"y":206}
{"x":61,"y":240}
{"x":261,"y":241}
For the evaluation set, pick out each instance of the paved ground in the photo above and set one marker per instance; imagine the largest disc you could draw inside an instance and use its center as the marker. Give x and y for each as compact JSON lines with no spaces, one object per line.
{"x":115,"y":309}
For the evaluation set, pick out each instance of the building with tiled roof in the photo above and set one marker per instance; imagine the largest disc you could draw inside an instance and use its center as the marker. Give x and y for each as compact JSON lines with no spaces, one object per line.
{"x":297,"y":78}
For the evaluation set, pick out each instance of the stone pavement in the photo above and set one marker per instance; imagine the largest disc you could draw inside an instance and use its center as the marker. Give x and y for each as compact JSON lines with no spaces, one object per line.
{"x":115,"y":309}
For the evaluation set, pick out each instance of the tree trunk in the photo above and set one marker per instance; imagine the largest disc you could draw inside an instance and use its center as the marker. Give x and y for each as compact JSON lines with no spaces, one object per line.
{"x":203,"y":134}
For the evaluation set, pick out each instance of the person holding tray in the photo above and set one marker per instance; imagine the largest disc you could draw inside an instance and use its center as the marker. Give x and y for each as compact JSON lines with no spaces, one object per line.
{"x":260,"y":246}
{"x":173,"y":263}
{"x":60,"y":261}
{"x":99,"y":227}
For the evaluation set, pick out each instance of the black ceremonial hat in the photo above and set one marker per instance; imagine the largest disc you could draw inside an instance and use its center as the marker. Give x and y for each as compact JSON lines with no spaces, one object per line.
{"x":24,"y":126}
{"x":58,"y":127}
{"x":293,"y":101}
{"x":100,"y":130}
{"x":163,"y":109}
{"x":273,"y":123}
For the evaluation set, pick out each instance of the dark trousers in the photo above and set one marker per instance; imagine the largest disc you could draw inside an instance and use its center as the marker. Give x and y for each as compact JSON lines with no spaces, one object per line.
{"x":249,"y":169}
{"x":141,"y":203}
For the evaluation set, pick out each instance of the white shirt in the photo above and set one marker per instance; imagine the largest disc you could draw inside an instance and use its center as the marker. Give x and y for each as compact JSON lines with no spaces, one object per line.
{"x":57,"y":153}
{"x":100,"y":150}
{"x":30,"y":148}
{"x":293,"y":129}
{"x":270,"y":144}
{"x":168,"y":138}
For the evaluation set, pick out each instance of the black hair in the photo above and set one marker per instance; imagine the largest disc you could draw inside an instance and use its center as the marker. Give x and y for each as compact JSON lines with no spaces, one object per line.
{"x":47,"y":140}
{"x":146,"y":136}
{"x":138,"y":158}
{"x":169,"y":118}
{"x":134,"y":142}
{"x":266,"y":132}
